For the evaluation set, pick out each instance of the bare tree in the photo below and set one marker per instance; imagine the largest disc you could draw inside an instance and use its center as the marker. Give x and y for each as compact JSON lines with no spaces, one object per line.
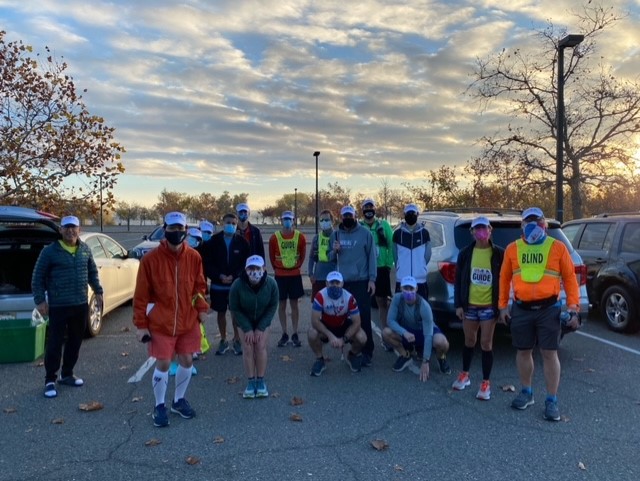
{"x":602,"y":111}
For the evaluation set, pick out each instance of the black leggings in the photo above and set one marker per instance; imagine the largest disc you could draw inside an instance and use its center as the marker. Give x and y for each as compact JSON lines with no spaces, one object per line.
{"x":69,"y":320}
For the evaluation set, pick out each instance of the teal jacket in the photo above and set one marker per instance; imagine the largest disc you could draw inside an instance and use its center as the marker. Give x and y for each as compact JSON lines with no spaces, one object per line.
{"x":253,"y":306}
{"x":64,"y":277}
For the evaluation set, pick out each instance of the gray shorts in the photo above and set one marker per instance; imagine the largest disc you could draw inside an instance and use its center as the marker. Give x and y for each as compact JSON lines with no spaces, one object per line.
{"x":541,"y":326}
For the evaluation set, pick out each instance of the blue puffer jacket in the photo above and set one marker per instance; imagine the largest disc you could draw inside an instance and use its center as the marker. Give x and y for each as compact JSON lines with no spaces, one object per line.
{"x":64,"y":277}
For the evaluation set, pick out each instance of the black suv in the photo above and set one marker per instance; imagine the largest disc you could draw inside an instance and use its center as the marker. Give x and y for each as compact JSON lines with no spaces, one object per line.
{"x":449,"y":232}
{"x":609,"y":245}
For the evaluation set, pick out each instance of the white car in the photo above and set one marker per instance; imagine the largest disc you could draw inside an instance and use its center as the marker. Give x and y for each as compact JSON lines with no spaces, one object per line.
{"x":25,"y":232}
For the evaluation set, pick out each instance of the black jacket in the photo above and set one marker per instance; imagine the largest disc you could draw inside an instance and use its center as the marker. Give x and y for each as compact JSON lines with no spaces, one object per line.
{"x":463,"y":273}
{"x":217,"y":261}
{"x":256,"y":246}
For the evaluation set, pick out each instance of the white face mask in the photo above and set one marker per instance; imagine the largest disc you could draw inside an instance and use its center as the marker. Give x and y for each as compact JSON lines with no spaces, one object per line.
{"x":254,"y":275}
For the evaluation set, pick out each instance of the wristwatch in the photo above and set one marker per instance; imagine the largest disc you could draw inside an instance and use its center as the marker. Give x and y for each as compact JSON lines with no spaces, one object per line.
{"x":425,"y":360}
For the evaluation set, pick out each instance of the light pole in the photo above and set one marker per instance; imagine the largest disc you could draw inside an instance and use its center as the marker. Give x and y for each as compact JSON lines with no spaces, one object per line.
{"x":316,"y":154}
{"x":567,"y":42}
{"x":100,"y":202}
{"x":295,"y":205}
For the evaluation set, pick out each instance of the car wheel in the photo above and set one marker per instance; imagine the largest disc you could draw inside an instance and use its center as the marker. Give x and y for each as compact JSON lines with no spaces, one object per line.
{"x":95,"y":317}
{"x":619,"y":310}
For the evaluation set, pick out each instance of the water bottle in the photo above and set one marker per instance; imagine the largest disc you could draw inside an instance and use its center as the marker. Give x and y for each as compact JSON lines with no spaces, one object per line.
{"x":37,"y":318}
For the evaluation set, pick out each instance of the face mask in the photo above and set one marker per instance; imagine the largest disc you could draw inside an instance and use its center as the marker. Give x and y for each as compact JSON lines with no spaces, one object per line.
{"x":193,"y":242}
{"x":369,"y":213}
{"x":409,"y":296}
{"x":229,"y":229}
{"x":349,"y":222}
{"x":411,"y":218}
{"x":325,"y":224}
{"x":334,"y":292}
{"x":287,"y":223}
{"x":175,"y":237}
{"x":206,"y":237}
{"x":534,"y":233}
{"x":243,"y":217}
{"x":481,"y":235}
{"x":254,"y":276}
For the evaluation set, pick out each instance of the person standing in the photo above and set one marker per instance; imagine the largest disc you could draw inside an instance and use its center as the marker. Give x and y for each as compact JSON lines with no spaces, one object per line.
{"x":411,"y":328}
{"x":319,"y":264}
{"x":59,"y":286}
{"x":534,"y":267}
{"x":476,"y":301}
{"x":224,"y":259}
{"x":207,"y":229}
{"x":168,"y":307}
{"x":412,"y":250}
{"x":354,"y":252}
{"x":253,"y":301}
{"x":287,"y":250}
{"x":382,"y":237}
{"x":335,"y":320}
{"x":249,"y":231}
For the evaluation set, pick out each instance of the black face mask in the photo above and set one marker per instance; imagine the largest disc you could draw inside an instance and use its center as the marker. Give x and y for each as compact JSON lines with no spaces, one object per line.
{"x":369,"y":213}
{"x":349,"y":222}
{"x":411,"y":218}
{"x":175,"y":237}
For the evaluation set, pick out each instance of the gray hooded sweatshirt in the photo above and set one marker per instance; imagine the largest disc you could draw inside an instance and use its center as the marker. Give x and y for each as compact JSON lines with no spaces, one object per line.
{"x":356,"y":260}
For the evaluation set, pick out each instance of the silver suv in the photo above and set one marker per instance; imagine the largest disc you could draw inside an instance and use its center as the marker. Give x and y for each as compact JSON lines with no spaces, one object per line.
{"x":449,"y":231}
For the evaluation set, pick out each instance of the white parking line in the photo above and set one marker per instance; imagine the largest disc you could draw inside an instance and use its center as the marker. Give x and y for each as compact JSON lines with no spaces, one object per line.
{"x":610,"y":343}
{"x":137,"y":377}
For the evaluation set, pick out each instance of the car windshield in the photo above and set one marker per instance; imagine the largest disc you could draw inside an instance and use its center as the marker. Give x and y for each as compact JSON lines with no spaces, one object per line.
{"x":504,"y":233}
{"x":157,"y":234}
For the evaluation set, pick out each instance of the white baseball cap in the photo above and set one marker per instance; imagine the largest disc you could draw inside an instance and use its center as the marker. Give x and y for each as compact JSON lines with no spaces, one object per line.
{"x":347,"y":209}
{"x":335,"y":276}
{"x":256,"y":261}
{"x":195,"y":232}
{"x":411,"y":208}
{"x":481,"y":220}
{"x":409,"y":281}
{"x":70,"y":220}
{"x":242,"y":206}
{"x":533,"y":212}
{"x":287,"y":214}
{"x":368,"y":201}
{"x":206,"y":226}
{"x":175,"y":218}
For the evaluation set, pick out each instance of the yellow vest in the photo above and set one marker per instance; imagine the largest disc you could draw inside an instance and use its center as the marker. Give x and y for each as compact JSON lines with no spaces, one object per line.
{"x":532,"y":260}
{"x":323,"y":247}
{"x":288,"y":249}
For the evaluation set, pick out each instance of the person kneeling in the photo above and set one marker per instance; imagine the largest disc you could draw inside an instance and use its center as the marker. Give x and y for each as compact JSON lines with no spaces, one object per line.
{"x":335,"y":319}
{"x":411,"y":327}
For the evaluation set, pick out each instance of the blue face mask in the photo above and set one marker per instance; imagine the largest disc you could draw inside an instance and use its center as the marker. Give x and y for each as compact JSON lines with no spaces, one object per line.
{"x":409,"y":296}
{"x":325,"y":224}
{"x":229,"y":229}
{"x":334,"y":292}
{"x":287,"y":223}
{"x":206,"y":236}
{"x":193,"y":242}
{"x":243,"y":216}
{"x":534,"y":233}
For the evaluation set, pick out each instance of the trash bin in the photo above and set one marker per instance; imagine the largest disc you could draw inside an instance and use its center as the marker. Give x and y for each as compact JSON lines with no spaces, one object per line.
{"x":20,"y":341}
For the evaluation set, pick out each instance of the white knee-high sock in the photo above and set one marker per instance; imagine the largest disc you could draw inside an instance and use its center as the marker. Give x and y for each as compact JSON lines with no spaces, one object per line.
{"x":159,"y":381}
{"x":183,"y":376}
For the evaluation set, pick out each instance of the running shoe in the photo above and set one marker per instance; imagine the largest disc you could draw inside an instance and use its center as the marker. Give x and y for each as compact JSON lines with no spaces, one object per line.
{"x":462,"y":381}
{"x":250,"y":391}
{"x":283,"y":340}
{"x":183,"y":408}
{"x":261,"y":388}
{"x":484,"y":393}
{"x":354,"y":361}
{"x":71,"y":381}
{"x":402,"y":363}
{"x":295,"y":341}
{"x":50,"y":390}
{"x":160,"y":418}
{"x":237,"y":347}
{"x":318,"y":367}
{"x":551,"y":411}
{"x":222,"y":347}
{"x":523,"y":400}
{"x":444,"y":365}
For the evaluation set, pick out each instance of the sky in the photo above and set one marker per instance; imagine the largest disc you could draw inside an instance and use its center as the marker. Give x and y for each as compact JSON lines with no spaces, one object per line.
{"x":236,"y":95}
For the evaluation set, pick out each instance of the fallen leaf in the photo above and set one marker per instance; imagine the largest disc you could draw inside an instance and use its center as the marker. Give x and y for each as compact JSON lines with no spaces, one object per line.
{"x":192,"y":460}
{"x":578,"y":359}
{"x":132,"y":411}
{"x":232,"y":380}
{"x":582,"y":466}
{"x":137,"y":399}
{"x":277,"y":395}
{"x":124,"y":354}
{"x":508,"y":388}
{"x":91,"y":406}
{"x":398,"y":468}
{"x":286,"y":358}
{"x":57,"y":421}
{"x":208,"y":377}
{"x":592,"y":391}
{"x":125,"y":329}
{"x":590,"y":370}
{"x":296,"y":401}
{"x":152,"y":442}
{"x":565,"y":419}
{"x":123,"y":368}
{"x":9,"y":410}
{"x":295,"y":417}
{"x":218,"y":440}
{"x":380,"y":444}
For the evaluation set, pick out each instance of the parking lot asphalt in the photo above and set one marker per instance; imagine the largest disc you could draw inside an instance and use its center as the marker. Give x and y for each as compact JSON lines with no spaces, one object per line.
{"x":430,"y":432}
